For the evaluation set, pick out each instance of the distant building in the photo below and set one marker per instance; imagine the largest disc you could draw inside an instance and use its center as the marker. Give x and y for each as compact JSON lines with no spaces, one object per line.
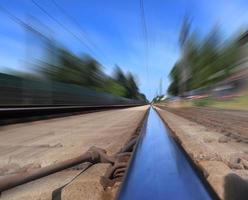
{"x":243,"y":42}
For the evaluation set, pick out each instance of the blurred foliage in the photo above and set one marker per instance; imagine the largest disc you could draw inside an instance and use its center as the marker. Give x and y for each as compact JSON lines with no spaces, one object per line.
{"x":113,"y":87}
{"x":69,"y":68}
{"x":157,"y":98}
{"x":63,"y":66}
{"x":175,"y":77}
{"x":128,"y":82}
{"x":235,"y":103}
{"x":238,"y":103}
{"x":206,"y":61}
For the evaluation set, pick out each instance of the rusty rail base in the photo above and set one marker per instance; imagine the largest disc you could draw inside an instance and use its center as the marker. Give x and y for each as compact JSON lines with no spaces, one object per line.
{"x":93,"y":155}
{"x":117,"y":171}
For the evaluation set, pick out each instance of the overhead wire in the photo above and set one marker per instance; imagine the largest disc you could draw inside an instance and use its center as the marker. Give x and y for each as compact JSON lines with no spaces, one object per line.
{"x":26,"y":26}
{"x":145,"y":35}
{"x":82,"y":31}
{"x":62,"y":26}
{"x":20,"y":22}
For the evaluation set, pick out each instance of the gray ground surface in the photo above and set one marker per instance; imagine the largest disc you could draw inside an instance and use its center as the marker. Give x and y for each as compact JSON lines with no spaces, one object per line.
{"x":214,"y":153}
{"x":227,"y":122}
{"x":24,"y":147}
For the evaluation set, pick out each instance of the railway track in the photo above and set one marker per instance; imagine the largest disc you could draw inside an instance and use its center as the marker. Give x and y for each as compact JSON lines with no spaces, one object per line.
{"x":10,"y":115}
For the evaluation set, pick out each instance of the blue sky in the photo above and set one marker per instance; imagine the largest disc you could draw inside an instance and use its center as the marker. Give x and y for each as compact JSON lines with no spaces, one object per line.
{"x":115,"y":27}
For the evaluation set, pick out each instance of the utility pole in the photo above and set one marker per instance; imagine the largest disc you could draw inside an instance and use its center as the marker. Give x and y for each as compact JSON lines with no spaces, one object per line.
{"x":160,"y":87}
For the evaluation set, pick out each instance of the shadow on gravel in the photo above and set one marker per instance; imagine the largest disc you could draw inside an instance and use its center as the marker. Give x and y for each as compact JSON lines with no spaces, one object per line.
{"x":236,"y":188}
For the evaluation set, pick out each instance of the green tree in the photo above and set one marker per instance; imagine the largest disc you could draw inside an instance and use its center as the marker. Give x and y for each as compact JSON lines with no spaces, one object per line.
{"x":174,"y":75}
{"x":208,"y":61}
{"x":86,"y":71}
{"x":113,"y":87}
{"x":132,"y":87}
{"x":69,"y":68}
{"x":128,"y":82}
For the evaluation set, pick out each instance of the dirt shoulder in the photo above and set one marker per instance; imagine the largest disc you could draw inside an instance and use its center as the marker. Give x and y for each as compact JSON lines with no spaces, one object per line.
{"x":42,"y":143}
{"x":219,"y":157}
{"x":28,"y":146}
{"x":231,"y":123}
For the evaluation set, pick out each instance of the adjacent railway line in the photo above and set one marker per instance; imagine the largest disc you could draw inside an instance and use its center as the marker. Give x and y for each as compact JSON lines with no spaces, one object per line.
{"x":10,"y":115}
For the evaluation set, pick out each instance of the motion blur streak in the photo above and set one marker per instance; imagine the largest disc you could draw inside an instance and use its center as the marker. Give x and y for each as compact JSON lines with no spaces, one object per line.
{"x":81,"y":76}
{"x":210,"y":71}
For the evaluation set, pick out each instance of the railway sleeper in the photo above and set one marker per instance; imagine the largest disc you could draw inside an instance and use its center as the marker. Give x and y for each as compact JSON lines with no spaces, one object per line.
{"x":116,"y":172}
{"x":93,"y":156}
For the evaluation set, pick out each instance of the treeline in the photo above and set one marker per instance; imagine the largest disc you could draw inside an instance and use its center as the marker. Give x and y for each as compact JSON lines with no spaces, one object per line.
{"x":64,"y":66}
{"x":203,"y":62}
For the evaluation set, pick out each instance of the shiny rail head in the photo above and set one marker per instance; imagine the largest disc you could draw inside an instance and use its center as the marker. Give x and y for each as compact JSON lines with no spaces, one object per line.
{"x":159,"y":169}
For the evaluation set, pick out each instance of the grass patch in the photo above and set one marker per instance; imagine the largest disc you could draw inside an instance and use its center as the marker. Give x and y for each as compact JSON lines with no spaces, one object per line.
{"x":203,"y":102}
{"x":238,"y":103}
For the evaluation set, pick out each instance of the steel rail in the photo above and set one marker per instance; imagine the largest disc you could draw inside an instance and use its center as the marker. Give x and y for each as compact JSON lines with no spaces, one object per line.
{"x":159,"y":169}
